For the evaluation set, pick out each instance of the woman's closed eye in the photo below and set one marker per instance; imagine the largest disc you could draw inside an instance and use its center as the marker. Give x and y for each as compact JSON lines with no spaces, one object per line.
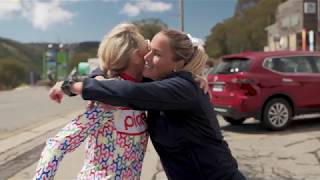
{"x":156,"y":53}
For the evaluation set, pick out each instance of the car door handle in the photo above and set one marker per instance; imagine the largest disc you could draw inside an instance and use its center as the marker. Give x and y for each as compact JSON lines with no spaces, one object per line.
{"x":287,"y":80}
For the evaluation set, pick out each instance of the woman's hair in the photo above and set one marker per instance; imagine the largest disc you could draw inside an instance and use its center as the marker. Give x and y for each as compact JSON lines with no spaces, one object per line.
{"x":194,"y":56}
{"x":116,"y":47}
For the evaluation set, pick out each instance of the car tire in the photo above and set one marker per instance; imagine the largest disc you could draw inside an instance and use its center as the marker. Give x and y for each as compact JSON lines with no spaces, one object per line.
{"x":277,"y":114}
{"x":233,"y":121}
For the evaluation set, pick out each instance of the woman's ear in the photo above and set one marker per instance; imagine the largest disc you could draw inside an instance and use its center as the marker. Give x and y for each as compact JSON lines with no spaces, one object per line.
{"x":136,"y":57}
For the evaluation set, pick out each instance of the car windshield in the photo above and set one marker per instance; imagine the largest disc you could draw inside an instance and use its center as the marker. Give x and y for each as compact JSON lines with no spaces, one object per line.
{"x":231,"y":66}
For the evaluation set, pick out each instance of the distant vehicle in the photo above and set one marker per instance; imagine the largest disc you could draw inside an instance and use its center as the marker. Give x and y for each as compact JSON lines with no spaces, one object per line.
{"x":83,"y":69}
{"x":273,"y":87}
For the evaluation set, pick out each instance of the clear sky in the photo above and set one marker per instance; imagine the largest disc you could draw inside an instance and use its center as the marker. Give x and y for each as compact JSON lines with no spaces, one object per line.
{"x":88,"y":20}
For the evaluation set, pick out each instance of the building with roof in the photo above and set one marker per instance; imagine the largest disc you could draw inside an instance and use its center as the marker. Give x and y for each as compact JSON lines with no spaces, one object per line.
{"x":296,"y":27}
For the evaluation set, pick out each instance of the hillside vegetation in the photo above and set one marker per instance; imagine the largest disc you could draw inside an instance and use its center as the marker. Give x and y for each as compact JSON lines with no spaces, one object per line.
{"x":245,"y":31}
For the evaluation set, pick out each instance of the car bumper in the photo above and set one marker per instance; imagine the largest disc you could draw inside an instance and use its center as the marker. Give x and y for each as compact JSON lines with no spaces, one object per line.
{"x":233,"y":113}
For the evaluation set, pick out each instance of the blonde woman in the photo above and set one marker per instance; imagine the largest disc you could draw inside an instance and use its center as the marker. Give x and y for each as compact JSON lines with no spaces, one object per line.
{"x":181,"y":121}
{"x":116,"y":139}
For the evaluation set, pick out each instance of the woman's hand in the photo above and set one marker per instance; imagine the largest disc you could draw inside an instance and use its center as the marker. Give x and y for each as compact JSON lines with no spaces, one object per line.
{"x":90,"y":105}
{"x":56,"y":93}
{"x":99,"y":78}
{"x":105,"y":107}
{"x":204,"y":85}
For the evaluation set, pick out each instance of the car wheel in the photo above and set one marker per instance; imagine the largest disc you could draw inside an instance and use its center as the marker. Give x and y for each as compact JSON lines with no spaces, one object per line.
{"x":277,"y":114}
{"x":234,"y":121}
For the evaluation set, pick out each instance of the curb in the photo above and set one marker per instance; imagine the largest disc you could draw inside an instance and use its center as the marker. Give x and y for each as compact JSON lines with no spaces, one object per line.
{"x":16,"y":145}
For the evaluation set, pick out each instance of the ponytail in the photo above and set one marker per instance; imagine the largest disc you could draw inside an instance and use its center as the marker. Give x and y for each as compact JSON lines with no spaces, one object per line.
{"x":197,"y":64}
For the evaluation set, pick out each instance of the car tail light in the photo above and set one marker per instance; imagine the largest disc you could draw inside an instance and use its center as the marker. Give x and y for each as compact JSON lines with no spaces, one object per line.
{"x":246,"y":85}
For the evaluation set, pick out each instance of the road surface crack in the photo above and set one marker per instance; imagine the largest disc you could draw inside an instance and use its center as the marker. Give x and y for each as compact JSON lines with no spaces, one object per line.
{"x":300,"y":142}
{"x":316,"y":153}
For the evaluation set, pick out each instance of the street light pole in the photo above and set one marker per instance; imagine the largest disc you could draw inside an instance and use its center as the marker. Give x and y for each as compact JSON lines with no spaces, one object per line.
{"x":181,"y":2}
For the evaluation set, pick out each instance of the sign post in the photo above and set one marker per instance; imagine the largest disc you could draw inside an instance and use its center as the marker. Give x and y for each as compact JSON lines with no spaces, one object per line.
{"x":62,"y":62}
{"x":311,"y":40}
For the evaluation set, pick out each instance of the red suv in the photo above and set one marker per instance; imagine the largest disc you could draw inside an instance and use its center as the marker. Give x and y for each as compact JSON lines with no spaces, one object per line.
{"x":270,"y":86}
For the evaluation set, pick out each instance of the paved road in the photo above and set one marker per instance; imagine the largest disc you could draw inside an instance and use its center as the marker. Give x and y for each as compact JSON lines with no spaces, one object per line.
{"x":31,"y":106}
{"x":293,"y":154}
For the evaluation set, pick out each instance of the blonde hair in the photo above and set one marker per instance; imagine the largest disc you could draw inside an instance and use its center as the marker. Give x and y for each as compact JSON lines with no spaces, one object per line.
{"x":194,"y":56}
{"x":198,"y":62}
{"x":116,"y":47}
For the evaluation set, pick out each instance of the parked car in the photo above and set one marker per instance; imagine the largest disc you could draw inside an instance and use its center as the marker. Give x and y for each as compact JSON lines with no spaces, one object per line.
{"x":272,"y":87}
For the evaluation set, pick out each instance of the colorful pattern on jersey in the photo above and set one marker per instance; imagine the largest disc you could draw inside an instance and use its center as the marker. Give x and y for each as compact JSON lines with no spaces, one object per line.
{"x":116,"y":144}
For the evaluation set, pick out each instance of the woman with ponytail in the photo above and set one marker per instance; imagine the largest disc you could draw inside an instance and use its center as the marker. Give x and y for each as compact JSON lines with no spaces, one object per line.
{"x":181,"y":121}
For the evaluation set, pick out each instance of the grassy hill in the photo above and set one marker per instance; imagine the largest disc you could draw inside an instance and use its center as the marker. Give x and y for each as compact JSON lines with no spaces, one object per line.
{"x":17,"y":59}
{"x":25,"y":54}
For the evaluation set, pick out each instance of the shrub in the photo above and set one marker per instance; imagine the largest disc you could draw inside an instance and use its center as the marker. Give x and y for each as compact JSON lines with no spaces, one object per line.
{"x":12,"y":73}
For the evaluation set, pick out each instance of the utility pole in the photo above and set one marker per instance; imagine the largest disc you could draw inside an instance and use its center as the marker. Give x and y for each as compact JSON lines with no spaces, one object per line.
{"x":181,"y":15}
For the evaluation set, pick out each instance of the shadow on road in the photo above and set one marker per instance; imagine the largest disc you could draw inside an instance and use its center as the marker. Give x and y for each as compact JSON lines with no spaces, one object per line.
{"x":301,"y":125}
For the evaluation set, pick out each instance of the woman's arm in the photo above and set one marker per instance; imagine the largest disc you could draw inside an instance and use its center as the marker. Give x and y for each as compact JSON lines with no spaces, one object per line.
{"x":56,"y":93}
{"x":68,"y":139}
{"x":169,"y":94}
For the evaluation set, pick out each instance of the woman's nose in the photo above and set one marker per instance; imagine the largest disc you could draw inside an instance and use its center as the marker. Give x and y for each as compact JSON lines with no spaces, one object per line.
{"x":148,"y":56}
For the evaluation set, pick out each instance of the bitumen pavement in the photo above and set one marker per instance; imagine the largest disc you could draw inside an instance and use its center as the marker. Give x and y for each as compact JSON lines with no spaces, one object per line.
{"x":20,"y":151}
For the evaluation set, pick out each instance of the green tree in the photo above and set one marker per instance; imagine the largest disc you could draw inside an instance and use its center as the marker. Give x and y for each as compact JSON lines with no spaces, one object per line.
{"x":81,"y":52}
{"x":216,"y":41}
{"x":12,"y":73}
{"x":27,"y":54}
{"x":150,"y":27}
{"x":245,"y":31}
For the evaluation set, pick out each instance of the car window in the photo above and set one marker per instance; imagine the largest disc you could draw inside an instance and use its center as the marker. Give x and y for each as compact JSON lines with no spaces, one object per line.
{"x":231,"y":66}
{"x":297,"y":64}
{"x":212,"y":70}
{"x":317,"y":63}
